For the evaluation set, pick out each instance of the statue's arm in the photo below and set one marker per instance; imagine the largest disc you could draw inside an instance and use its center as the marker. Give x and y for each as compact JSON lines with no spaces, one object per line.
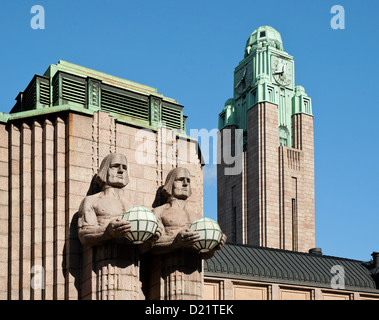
{"x":165,"y":244}
{"x":89,"y":231}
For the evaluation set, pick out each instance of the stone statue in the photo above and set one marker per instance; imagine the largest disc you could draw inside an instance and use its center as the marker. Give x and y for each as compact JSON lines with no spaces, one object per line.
{"x":179,"y":265}
{"x":110,"y":260}
{"x":100,"y":214}
{"x":115,"y":262}
{"x":176,"y":215}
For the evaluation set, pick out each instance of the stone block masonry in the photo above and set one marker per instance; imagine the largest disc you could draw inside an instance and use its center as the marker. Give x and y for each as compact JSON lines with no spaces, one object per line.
{"x":47,"y":164}
{"x":262,"y":186}
{"x":271,"y":203}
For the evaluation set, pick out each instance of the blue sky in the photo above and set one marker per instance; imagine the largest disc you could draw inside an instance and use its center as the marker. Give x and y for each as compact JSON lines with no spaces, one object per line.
{"x":188,"y":51}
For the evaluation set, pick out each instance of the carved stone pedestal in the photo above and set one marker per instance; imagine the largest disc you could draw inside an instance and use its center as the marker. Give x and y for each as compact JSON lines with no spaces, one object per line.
{"x":176,"y":276}
{"x":116,"y":266}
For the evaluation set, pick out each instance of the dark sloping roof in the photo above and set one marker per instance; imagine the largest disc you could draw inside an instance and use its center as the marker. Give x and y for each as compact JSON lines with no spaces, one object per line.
{"x":273,"y":265}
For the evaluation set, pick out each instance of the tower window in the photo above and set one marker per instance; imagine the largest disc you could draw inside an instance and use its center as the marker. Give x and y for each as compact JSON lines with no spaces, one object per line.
{"x":282,"y":142}
{"x":222,"y":118}
{"x":234,"y":225}
{"x":234,"y":216}
{"x":294,"y":226}
{"x":254,"y":97}
{"x":262,"y":34}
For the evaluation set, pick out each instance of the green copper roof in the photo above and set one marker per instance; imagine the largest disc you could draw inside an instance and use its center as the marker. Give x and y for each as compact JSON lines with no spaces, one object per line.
{"x":72,"y":87}
{"x":72,"y":68}
{"x":264,"y":34}
{"x":4,"y":117}
{"x":266,"y":74}
{"x":227,"y":116}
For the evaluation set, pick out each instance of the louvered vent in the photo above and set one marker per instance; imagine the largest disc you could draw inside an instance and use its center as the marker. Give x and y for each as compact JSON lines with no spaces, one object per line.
{"x":55,"y":90}
{"x":44,"y":93}
{"x":184,"y":127}
{"x":73,"y":90}
{"x":127,"y":105}
{"x":171,"y":117}
{"x":29,"y":97}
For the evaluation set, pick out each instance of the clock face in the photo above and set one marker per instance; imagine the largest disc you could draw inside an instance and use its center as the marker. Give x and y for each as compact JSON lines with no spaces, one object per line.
{"x":281,"y":70}
{"x":243,"y":79}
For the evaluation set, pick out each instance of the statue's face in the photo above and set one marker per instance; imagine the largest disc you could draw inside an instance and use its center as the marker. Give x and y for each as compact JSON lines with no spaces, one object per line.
{"x":181,"y":188}
{"x":117,"y":173}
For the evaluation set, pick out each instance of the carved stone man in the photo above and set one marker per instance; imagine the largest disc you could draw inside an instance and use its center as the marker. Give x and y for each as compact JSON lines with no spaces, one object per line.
{"x":180,"y":264}
{"x":100,"y":214}
{"x":113,"y":258}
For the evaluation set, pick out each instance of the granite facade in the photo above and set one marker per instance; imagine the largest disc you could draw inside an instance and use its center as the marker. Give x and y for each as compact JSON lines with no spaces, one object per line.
{"x":47,"y":164}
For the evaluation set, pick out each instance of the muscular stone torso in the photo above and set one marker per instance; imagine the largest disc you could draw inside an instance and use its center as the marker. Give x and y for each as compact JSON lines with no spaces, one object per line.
{"x":108,"y":208}
{"x":175,"y":219}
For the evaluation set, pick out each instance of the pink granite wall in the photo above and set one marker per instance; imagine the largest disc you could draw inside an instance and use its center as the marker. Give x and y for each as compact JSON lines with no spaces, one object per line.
{"x":46,"y":168}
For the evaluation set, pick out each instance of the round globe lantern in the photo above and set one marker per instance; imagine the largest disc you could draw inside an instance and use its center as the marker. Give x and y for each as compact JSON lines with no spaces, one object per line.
{"x":210,"y":234}
{"x":144,"y":224}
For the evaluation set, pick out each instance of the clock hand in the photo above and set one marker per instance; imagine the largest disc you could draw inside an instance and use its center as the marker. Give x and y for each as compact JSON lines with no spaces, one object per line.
{"x":242,"y":79}
{"x":237,"y":85}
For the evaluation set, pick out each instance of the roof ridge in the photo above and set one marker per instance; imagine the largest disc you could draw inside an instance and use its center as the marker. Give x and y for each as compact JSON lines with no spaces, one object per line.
{"x":293,"y":252}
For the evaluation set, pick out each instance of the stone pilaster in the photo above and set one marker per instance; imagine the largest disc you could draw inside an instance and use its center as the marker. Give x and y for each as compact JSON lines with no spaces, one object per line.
{"x":25,"y":212}
{"x":61,"y":222}
{"x":37,"y":204}
{"x":262,"y":175}
{"x":304,"y":141}
{"x":14,"y":244}
{"x":48,"y":207}
{"x":231,"y":189}
{"x":4,"y":204}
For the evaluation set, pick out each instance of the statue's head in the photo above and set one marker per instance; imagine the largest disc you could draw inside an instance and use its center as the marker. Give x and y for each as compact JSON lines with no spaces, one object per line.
{"x":113,"y":171}
{"x":178,"y":184}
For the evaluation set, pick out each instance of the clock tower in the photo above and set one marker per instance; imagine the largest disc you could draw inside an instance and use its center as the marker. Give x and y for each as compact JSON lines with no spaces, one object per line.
{"x":270,"y":201}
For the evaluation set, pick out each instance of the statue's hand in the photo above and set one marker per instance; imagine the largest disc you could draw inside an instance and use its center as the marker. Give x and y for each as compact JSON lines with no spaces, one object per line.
{"x":186,"y":238}
{"x":157,"y":235}
{"x":118,"y":228}
{"x":211,"y":253}
{"x":222,"y":242}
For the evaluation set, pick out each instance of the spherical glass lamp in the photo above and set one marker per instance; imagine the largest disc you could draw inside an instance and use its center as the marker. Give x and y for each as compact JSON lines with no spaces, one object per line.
{"x":144,"y":224}
{"x":210,"y":234}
